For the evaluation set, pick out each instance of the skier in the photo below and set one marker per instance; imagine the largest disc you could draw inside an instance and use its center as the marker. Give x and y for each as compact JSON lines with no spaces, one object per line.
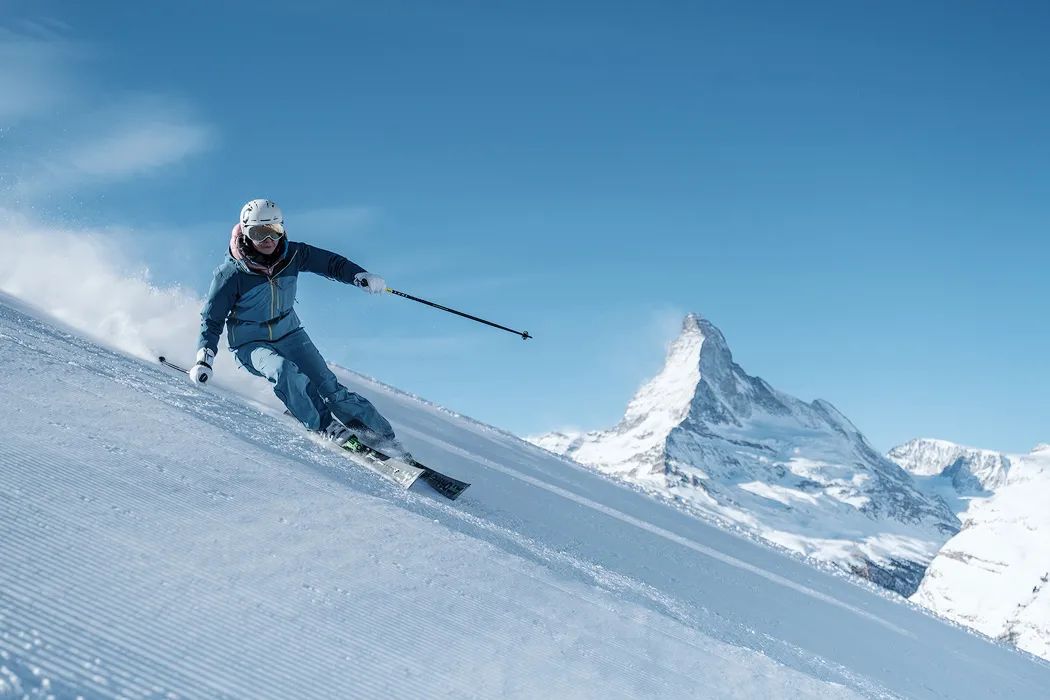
{"x":252,"y":294}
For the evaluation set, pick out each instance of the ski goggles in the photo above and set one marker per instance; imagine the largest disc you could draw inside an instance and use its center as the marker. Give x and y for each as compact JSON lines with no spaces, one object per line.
{"x":260,"y":232}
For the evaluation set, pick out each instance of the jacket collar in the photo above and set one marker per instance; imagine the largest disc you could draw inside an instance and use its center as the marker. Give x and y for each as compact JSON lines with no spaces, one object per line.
{"x":244,"y":258}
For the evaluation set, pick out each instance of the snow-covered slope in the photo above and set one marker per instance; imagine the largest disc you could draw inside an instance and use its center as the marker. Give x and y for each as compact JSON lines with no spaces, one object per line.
{"x":971,"y":471}
{"x":798,"y":474}
{"x":157,"y":540}
{"x":993,"y":575}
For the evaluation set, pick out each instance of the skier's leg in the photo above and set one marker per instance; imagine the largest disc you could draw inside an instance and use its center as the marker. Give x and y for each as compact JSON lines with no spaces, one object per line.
{"x":290,"y":384}
{"x":352,"y":409}
{"x":319,"y":404}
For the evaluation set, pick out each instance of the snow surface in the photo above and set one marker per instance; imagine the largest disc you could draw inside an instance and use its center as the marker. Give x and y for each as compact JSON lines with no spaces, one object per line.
{"x":993,"y":575}
{"x":158,"y":540}
{"x":731,"y":448}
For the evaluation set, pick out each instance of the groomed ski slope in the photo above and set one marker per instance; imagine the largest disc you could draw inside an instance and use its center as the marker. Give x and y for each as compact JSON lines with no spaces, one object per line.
{"x":158,"y":540}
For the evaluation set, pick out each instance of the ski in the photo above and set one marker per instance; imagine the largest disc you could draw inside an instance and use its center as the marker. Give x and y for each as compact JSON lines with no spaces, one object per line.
{"x":406,"y":472}
{"x":401,"y":472}
{"x":442,"y":483}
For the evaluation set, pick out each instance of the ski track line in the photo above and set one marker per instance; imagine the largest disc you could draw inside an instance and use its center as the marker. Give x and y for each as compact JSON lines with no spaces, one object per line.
{"x":738,"y":637}
{"x":464,"y":625}
{"x":132,"y":486}
{"x":122,"y":638}
{"x":667,"y":669}
{"x":280,"y":686}
{"x":65,"y":669}
{"x":659,"y":531}
{"x":378,"y":486}
{"x":66,"y":674}
{"x":135,"y":639}
{"x":468,"y":626}
{"x":508,"y":601}
{"x":215,"y":651}
{"x":92,"y":562}
{"x":219,"y":451}
{"x":71,"y":666}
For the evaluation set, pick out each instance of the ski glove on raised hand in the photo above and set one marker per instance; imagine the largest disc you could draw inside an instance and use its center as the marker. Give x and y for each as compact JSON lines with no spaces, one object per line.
{"x":201,"y":372}
{"x":371,"y":283}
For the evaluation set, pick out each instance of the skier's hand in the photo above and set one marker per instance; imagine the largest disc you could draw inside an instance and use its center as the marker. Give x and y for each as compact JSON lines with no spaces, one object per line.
{"x":200,"y":373}
{"x":373,"y":284}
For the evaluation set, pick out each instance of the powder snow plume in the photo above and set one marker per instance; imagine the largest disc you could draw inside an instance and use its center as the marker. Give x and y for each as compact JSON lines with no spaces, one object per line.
{"x":84,"y":278}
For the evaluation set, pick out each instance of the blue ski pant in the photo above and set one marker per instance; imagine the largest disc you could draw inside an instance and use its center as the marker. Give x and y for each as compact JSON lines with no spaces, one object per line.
{"x":302,"y":381}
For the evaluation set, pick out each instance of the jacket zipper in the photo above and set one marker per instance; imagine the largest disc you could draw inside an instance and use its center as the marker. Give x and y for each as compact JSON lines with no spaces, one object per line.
{"x":273,"y":306}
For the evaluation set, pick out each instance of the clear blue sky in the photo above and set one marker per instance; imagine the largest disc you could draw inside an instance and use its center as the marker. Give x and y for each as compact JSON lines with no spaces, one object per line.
{"x":857,"y":193}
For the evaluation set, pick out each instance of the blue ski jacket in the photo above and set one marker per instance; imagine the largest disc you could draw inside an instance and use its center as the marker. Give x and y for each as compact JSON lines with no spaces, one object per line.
{"x":257,"y":305}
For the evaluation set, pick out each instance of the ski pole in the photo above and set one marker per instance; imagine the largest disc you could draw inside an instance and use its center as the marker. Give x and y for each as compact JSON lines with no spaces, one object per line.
{"x":524,"y":334}
{"x":164,"y":361}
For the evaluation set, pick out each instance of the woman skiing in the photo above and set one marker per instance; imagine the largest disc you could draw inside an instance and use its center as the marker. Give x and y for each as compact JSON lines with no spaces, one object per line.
{"x":252,"y":294}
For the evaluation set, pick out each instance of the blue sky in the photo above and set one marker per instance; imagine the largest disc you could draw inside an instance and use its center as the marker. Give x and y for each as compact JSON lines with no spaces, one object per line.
{"x":857,"y":194}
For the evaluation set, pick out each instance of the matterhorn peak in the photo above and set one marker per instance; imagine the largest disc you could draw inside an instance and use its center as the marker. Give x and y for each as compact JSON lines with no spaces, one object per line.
{"x":715,"y":359}
{"x":692,"y":321}
{"x":729,"y":444}
{"x":700,"y":353}
{"x":666,"y":396}
{"x":696,"y":325}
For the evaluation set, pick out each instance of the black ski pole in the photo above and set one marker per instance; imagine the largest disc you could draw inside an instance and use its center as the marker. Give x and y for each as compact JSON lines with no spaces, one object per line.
{"x":164,"y":361}
{"x":524,"y":334}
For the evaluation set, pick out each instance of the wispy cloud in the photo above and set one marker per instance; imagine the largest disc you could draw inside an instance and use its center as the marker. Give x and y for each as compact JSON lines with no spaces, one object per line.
{"x":132,"y":137}
{"x":35,"y":70}
{"x":664,"y":324}
{"x":66,"y":130}
{"x":139,"y":148}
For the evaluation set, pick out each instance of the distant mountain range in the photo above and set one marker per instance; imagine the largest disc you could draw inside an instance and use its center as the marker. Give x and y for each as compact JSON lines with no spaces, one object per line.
{"x":731,"y":447}
{"x":993,"y":574}
{"x":971,"y":471}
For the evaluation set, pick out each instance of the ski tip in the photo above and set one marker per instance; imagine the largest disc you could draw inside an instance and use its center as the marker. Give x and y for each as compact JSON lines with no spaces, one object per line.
{"x":445,"y":485}
{"x":453,"y":495}
{"x":161,"y":358}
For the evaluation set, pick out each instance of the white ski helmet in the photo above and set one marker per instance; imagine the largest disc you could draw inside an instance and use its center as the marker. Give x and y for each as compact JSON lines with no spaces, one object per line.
{"x":261,"y":212}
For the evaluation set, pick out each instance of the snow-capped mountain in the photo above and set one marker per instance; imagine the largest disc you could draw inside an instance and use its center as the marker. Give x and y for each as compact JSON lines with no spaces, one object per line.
{"x":993,"y":574}
{"x":972,"y":471}
{"x":799,"y":474}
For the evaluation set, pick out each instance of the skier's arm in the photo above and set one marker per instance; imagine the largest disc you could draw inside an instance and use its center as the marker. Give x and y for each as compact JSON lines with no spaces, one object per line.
{"x":220,"y":300}
{"x":328,"y":264}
